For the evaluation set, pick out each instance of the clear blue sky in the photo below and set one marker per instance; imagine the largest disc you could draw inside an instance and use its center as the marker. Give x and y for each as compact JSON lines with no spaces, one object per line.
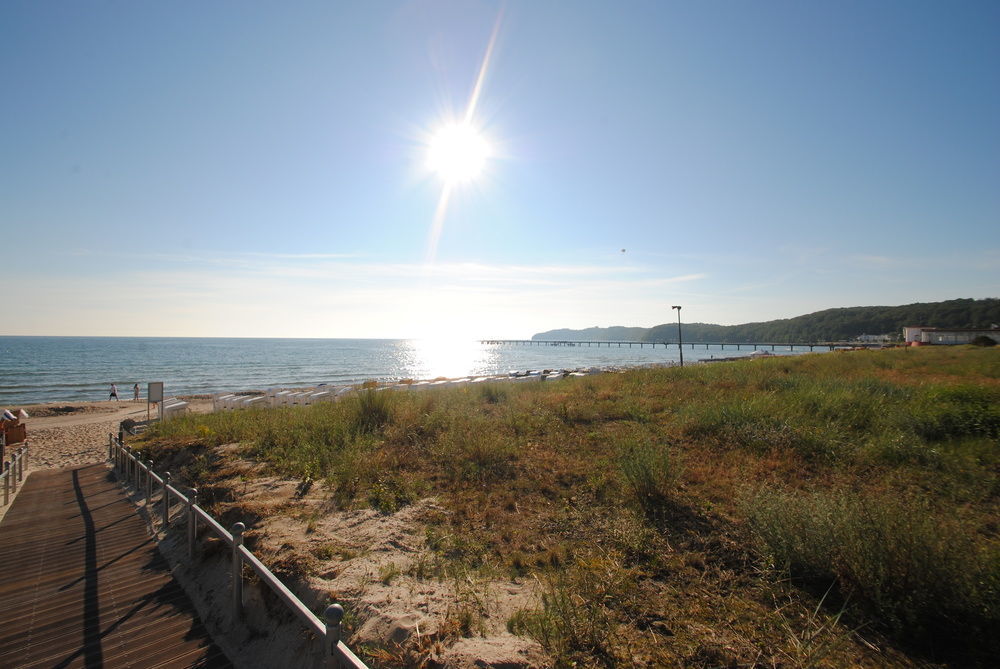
{"x":259,"y":168}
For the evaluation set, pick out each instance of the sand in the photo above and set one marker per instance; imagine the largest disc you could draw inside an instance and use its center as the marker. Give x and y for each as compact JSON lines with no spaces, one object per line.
{"x":69,"y":434}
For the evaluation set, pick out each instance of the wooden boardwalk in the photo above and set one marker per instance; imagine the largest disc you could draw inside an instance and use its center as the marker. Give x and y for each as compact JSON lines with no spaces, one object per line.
{"x":84,"y":585}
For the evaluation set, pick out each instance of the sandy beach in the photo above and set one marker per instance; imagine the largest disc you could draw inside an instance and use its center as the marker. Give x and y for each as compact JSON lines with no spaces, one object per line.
{"x":66,"y":434}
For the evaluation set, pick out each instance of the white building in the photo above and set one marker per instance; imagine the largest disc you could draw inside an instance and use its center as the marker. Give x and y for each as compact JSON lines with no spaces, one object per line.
{"x":874,"y":339}
{"x":925,"y":335}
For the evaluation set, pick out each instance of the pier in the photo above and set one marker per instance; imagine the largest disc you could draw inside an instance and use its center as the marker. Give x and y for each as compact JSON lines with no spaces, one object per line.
{"x":774,"y":346}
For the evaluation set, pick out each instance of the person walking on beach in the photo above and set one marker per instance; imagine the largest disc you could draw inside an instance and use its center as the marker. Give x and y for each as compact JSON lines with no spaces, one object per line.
{"x":135,"y":392}
{"x":114,"y":393}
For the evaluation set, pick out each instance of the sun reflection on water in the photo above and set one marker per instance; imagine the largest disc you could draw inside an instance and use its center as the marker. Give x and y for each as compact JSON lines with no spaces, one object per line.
{"x":449,"y":358}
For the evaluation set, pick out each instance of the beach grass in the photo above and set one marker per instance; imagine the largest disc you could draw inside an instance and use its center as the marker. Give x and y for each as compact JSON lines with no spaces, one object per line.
{"x":688,"y":516}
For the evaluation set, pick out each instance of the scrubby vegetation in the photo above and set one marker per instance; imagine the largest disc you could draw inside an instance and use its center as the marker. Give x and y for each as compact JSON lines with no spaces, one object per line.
{"x":825,"y":510}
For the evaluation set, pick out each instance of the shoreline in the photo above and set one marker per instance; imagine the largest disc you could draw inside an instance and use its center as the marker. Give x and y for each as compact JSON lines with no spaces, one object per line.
{"x":55,"y":373}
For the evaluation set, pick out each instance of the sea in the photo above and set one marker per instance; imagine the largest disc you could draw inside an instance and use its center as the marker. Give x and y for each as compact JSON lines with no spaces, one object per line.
{"x":34,"y":370}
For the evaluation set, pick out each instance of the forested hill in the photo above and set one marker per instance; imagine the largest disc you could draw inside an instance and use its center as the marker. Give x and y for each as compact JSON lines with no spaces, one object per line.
{"x":840,"y":324}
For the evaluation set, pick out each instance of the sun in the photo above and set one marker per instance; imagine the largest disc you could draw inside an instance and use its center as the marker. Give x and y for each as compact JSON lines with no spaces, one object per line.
{"x":457,"y":153}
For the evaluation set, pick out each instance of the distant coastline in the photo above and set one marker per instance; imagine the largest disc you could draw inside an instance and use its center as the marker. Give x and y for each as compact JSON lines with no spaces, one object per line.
{"x":840,"y":324}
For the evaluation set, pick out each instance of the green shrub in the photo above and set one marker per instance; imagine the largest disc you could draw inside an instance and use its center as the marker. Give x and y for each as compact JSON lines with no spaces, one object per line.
{"x":919,"y":574}
{"x":472,"y":448}
{"x":650,"y":473}
{"x":759,"y":426}
{"x":492,"y":393}
{"x":372,"y":411}
{"x":389,"y":494}
{"x":958,"y":411}
{"x":579,"y":613}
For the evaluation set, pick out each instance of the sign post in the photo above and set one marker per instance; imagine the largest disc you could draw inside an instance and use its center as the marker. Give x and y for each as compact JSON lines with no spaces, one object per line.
{"x":154,"y":394}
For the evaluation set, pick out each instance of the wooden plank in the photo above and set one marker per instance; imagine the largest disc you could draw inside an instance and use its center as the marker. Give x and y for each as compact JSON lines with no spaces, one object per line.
{"x":86,"y":586}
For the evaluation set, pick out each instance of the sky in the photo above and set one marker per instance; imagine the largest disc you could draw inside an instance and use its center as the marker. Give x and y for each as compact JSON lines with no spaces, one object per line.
{"x":260,"y":169}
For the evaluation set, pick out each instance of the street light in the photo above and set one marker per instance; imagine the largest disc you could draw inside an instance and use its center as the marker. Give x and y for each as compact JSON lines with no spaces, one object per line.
{"x":680,"y":342}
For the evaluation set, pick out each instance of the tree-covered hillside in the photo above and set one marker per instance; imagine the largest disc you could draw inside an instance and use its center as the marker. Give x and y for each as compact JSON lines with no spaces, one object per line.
{"x":615,"y":333}
{"x":840,"y":324}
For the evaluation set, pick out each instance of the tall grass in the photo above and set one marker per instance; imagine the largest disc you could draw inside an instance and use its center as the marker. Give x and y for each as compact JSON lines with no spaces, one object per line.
{"x":650,"y":473}
{"x":522,"y":472}
{"x":371,"y":411}
{"x":577,"y":622}
{"x":918,"y":572}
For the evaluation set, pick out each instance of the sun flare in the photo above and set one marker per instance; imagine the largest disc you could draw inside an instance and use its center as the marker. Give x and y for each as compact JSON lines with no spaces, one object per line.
{"x":457,"y":153}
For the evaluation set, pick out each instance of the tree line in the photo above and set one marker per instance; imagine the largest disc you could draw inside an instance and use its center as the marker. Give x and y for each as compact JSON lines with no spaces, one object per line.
{"x":840,"y":324}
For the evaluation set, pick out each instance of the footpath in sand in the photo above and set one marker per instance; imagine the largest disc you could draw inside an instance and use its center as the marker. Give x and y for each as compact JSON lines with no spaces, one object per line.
{"x":76,"y":433}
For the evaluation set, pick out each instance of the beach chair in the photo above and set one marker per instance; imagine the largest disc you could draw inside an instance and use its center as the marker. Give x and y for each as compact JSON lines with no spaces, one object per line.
{"x":219,"y":401}
{"x":321,"y":396}
{"x":254,"y":402}
{"x":14,"y":431}
{"x":172,"y":407}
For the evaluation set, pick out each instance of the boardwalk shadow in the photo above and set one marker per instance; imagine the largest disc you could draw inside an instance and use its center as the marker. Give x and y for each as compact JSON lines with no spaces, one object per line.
{"x":155,"y":620}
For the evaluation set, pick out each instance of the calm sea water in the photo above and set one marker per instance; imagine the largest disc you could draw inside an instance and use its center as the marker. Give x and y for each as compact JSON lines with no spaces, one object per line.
{"x":48,"y":369}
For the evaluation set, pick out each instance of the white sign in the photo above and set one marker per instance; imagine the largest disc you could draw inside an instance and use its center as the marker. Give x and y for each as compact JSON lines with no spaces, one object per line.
{"x":154,"y":393}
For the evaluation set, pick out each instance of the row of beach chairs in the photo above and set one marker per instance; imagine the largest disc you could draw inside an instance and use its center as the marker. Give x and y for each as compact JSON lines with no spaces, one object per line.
{"x":277,"y":398}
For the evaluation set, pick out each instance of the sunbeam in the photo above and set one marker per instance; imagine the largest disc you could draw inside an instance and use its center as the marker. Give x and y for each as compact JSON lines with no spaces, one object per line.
{"x":458,"y":152}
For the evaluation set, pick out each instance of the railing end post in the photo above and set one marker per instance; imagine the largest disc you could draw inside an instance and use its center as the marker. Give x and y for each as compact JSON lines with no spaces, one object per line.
{"x":192,"y":522}
{"x":332,"y":616}
{"x":237,"y":531}
{"x":166,"y":500}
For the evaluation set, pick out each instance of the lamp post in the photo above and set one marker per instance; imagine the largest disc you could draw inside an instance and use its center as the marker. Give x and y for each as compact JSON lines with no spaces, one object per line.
{"x":680,"y":342}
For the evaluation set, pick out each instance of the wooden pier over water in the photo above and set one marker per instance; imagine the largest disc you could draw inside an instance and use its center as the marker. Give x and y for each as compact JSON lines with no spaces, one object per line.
{"x":738,"y":346}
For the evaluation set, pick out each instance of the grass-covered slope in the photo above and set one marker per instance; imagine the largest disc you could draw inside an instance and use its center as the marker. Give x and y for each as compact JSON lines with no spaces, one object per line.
{"x":824,"y":510}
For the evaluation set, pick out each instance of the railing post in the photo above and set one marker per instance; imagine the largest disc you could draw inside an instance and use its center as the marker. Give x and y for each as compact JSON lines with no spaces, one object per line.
{"x":149,"y":481}
{"x":13,"y":474}
{"x":237,"y":531}
{"x":165,"y":498}
{"x":333,"y":615}
{"x":20,"y":463}
{"x":192,"y":522}
{"x":6,"y":482}
{"x":111,"y":448}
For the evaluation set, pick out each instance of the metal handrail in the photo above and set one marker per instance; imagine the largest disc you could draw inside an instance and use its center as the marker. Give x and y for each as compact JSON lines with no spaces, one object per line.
{"x":131,"y":468}
{"x":13,"y":472}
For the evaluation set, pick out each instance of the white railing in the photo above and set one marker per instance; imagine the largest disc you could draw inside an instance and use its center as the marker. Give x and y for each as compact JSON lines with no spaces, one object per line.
{"x":13,"y":472}
{"x":132,"y":469}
